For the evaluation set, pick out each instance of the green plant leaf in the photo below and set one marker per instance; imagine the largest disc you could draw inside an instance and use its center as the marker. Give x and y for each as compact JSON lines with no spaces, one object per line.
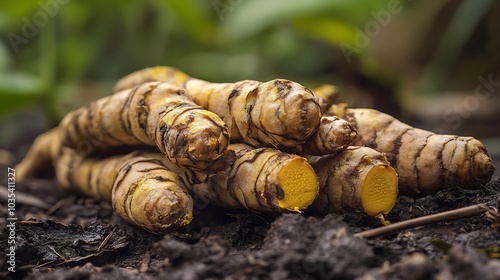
{"x":20,"y":9}
{"x":193,"y":17}
{"x":17,"y":91}
{"x":247,"y":18}
{"x":5,"y":59}
{"x":328,"y":30}
{"x":460,"y":28}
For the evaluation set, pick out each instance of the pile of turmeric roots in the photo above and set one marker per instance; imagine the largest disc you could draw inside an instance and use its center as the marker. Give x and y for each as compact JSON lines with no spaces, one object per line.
{"x":163,"y":140}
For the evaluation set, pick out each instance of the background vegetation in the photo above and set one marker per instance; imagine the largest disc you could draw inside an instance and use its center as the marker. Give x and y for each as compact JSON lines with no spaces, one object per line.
{"x":419,"y":60}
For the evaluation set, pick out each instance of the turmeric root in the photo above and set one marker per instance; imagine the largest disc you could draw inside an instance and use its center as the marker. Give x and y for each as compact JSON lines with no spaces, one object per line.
{"x":327,"y":94}
{"x":279,"y":113}
{"x":425,"y":162}
{"x":357,"y":179}
{"x":154,"y":114}
{"x":332,"y":136}
{"x":148,"y":190}
{"x":262,"y":179}
{"x":147,"y":194}
{"x":258,"y":179}
{"x":40,"y":156}
{"x":93,"y":177}
{"x":142,"y":190}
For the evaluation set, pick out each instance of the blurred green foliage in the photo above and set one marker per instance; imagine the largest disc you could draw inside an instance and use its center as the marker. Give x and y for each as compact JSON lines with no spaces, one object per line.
{"x":71,"y":52}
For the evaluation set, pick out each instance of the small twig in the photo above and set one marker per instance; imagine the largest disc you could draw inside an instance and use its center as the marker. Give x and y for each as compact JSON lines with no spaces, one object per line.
{"x":55,"y":252}
{"x":106,"y":240}
{"x":58,"y":205}
{"x":55,"y":207}
{"x":40,"y":265}
{"x":451,"y":215}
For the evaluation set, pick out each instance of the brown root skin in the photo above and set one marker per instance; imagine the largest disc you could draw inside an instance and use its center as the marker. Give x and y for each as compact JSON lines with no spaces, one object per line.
{"x":262,"y":179}
{"x":279,"y":113}
{"x":425,"y":162}
{"x":141,"y":189}
{"x":282,"y":113}
{"x":147,"y":194}
{"x":332,"y":136}
{"x":357,"y":179}
{"x":40,"y":156}
{"x":93,"y":177}
{"x":153,"y":114}
{"x":328,"y":95}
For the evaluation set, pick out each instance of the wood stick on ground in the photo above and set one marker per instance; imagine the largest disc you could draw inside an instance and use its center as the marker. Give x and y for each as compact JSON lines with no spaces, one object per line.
{"x":447,"y":216}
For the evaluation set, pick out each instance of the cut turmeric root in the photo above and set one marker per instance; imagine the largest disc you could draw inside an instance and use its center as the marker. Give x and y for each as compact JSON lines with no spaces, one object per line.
{"x":262,"y":179}
{"x":296,"y":153}
{"x":150,"y":191}
{"x":257,"y":179}
{"x":357,"y":179}
{"x":153,"y":114}
{"x":279,"y":113}
{"x":425,"y":162}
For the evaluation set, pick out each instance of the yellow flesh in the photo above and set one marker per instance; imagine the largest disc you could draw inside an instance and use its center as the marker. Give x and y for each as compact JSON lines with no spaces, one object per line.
{"x":157,"y":73}
{"x":299,"y":183}
{"x":380,"y":190}
{"x":187,"y":219}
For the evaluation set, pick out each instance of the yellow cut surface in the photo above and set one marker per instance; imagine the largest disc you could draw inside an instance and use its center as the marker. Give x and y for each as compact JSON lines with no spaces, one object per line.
{"x":380,"y":190}
{"x":299,"y":183}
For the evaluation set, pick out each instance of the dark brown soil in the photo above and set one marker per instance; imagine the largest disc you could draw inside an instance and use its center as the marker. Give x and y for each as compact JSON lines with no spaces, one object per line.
{"x":81,"y":238}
